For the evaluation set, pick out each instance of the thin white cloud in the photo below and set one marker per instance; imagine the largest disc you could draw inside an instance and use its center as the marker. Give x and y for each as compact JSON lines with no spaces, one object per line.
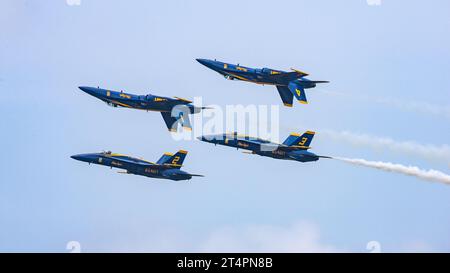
{"x":402,"y":104}
{"x":417,"y":246}
{"x":301,"y":237}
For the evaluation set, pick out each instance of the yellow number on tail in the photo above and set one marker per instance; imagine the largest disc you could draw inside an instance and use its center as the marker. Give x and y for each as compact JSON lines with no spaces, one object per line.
{"x":301,"y":143}
{"x":298,"y":92}
{"x":175,"y":160}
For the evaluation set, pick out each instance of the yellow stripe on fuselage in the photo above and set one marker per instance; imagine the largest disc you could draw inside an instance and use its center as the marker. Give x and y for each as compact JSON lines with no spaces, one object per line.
{"x":127,"y":156}
{"x":132,"y":107}
{"x":247,"y":80}
{"x":121,"y":104}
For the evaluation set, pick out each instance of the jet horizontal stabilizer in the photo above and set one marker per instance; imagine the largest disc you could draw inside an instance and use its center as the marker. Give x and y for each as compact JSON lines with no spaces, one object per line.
{"x":295,"y":147}
{"x":199,"y":175}
{"x":319,"y":81}
{"x":168,"y":165}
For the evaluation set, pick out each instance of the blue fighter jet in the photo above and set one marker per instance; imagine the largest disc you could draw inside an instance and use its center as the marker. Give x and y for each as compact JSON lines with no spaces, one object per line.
{"x":167,"y":167}
{"x":289,"y":84}
{"x":293,"y":148}
{"x":173,"y":110}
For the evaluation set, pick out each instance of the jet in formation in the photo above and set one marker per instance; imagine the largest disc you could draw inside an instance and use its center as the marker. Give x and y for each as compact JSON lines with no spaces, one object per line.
{"x":293,"y":148}
{"x":289,"y":84}
{"x":167,"y":167}
{"x":173,"y":110}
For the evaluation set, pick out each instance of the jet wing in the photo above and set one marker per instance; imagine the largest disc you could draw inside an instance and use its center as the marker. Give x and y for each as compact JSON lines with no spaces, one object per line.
{"x":255,"y":145}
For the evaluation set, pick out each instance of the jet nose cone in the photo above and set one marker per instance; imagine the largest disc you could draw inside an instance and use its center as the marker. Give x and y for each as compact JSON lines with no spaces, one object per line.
{"x":89,"y":90}
{"x":205,"y":138}
{"x":84,"y":88}
{"x":208,"y":63}
{"x":84,"y":157}
{"x":202,"y":61}
{"x":208,"y":138}
{"x":77,"y":157}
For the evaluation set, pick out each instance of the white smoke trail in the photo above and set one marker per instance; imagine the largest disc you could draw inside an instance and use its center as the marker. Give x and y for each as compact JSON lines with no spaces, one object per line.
{"x":430,"y":175}
{"x":428,"y":151}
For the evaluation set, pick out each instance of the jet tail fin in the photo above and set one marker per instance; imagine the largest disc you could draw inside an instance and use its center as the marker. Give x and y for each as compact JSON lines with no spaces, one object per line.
{"x":286,"y":95}
{"x":303,"y":140}
{"x":172,"y":122}
{"x":298,"y":91}
{"x":164,"y":158}
{"x":176,"y":160}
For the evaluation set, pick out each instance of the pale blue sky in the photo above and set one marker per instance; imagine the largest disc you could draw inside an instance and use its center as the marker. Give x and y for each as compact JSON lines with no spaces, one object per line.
{"x":398,"y":50}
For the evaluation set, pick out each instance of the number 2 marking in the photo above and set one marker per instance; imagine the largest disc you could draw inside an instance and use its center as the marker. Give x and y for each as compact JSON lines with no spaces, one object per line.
{"x":175,"y":160}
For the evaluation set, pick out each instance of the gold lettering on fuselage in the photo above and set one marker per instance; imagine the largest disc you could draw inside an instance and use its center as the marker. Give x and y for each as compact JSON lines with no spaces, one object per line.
{"x":241,"y":69}
{"x":116,"y":163}
{"x":243,"y":144}
{"x":125,"y":96}
{"x":150,"y":170}
{"x":159,"y":99}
